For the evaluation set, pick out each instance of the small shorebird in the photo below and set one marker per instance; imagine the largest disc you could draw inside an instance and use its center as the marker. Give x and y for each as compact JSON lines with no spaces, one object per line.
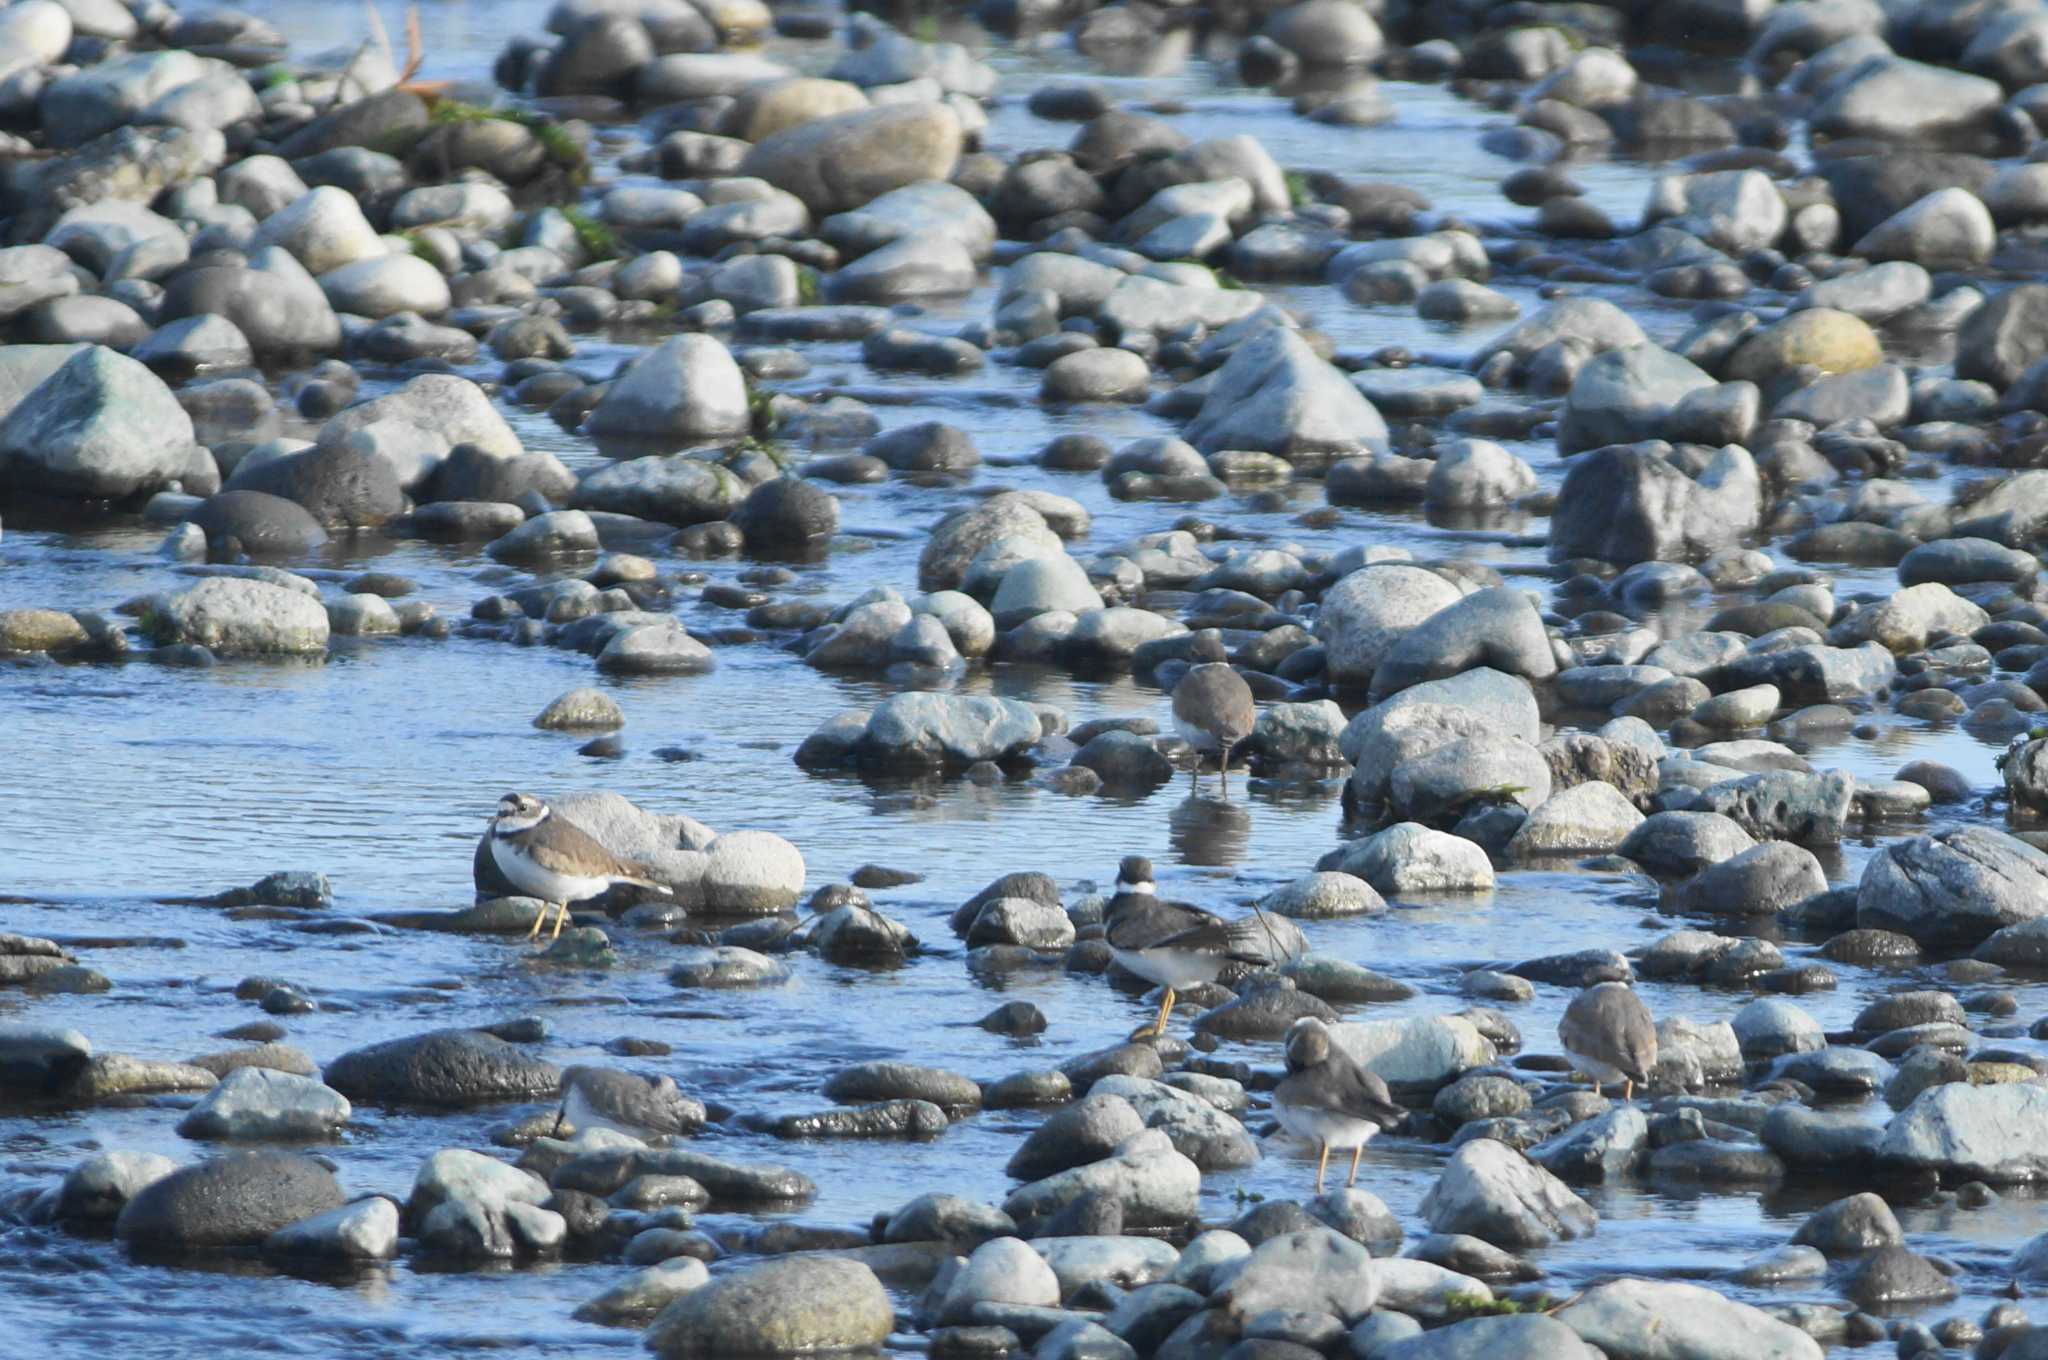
{"x":1212,"y":707}
{"x":1171,"y":943}
{"x":1329,"y":1099}
{"x":1609,"y":1035}
{"x":555,"y":860}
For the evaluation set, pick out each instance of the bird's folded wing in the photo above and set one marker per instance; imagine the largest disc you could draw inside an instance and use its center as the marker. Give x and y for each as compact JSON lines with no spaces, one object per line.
{"x":1164,"y":925}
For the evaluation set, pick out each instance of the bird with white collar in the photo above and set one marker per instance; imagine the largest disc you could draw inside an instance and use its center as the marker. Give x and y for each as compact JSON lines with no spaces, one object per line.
{"x":551,"y":858}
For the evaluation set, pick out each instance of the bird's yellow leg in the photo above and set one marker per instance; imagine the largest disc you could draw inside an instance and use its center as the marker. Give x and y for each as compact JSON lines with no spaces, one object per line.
{"x":1354,"y":1166}
{"x":561,"y":919}
{"x":1628,"y":1088}
{"x":1322,"y":1166}
{"x":1165,"y":1013}
{"x":1223,"y":772}
{"x":539,"y":920}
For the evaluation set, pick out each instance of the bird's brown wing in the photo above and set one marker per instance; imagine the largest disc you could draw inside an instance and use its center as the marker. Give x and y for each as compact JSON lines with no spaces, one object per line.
{"x":1364,"y":1095}
{"x":576,"y":851}
{"x":1342,"y":1087}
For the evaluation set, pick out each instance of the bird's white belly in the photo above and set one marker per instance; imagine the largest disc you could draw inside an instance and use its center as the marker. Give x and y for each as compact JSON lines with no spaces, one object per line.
{"x":535,"y":881}
{"x":1196,"y":737}
{"x":1326,"y":1126}
{"x":1607,"y":1074}
{"x":1171,"y":967}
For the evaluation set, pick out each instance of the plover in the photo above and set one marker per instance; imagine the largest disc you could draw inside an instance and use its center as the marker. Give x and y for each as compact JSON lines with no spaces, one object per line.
{"x":1212,"y":707}
{"x":1329,"y":1099}
{"x":555,"y":860}
{"x":1171,"y":943}
{"x":1609,"y":1035}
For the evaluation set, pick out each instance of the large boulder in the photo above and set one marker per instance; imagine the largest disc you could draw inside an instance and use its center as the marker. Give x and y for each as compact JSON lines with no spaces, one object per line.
{"x":1497,"y":628}
{"x":1490,"y":1191}
{"x":926,"y":730}
{"x":1275,"y":394}
{"x":446,"y":1067}
{"x":258,"y":1102}
{"x":1963,"y":1132}
{"x":1665,"y":1320}
{"x":1626,"y":504}
{"x":1368,"y":611}
{"x":686,"y":390}
{"x":234,"y":616}
{"x":101,"y":426}
{"x":233,"y":1201}
{"x":1909,"y":101}
{"x":797,"y":1305}
{"x":840,"y":163}
{"x":1953,"y":888}
{"x":1416,"y":1055}
{"x":1316,"y":1269}
{"x":2006,"y":336}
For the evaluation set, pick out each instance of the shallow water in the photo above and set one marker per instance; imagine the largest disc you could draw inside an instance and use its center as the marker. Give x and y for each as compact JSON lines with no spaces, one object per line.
{"x":135,"y":782}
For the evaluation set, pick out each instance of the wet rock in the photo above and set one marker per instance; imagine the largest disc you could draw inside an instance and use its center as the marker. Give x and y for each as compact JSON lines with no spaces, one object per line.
{"x":723,"y":966}
{"x":1274,"y":394}
{"x":98,"y":1188}
{"x":641,"y":1295}
{"x":1891,"y":1276}
{"x":925,"y":730}
{"x":232,"y":1201}
{"x":364,"y":1231}
{"x":449,"y":1067}
{"x":258,"y":1103}
{"x":239,"y":617}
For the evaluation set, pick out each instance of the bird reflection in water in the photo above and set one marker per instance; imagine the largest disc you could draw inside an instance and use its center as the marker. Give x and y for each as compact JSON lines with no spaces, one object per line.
{"x":1209,"y":831}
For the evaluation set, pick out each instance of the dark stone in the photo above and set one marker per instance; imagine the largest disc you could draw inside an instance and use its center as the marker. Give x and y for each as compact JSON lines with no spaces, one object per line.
{"x":232,"y":1201}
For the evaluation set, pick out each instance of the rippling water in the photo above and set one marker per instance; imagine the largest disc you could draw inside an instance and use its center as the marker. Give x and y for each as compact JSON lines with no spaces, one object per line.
{"x":131,"y":783}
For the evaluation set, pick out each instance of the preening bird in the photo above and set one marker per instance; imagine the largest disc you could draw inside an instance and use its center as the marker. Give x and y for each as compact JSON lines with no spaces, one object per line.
{"x":1609,"y":1035}
{"x":1329,"y":1099}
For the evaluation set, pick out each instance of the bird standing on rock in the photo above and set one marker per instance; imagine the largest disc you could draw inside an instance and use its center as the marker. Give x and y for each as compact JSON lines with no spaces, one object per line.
{"x":1171,"y":943}
{"x":555,"y":860}
{"x":1212,"y":707}
{"x":1609,"y":1035}
{"x":1330,"y":1100}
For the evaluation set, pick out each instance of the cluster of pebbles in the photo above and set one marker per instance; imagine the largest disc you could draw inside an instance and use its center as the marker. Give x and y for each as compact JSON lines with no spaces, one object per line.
{"x":268,"y":305}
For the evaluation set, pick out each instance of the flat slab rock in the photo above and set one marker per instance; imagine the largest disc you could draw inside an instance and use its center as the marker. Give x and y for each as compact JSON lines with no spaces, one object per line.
{"x":1654,"y":1320}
